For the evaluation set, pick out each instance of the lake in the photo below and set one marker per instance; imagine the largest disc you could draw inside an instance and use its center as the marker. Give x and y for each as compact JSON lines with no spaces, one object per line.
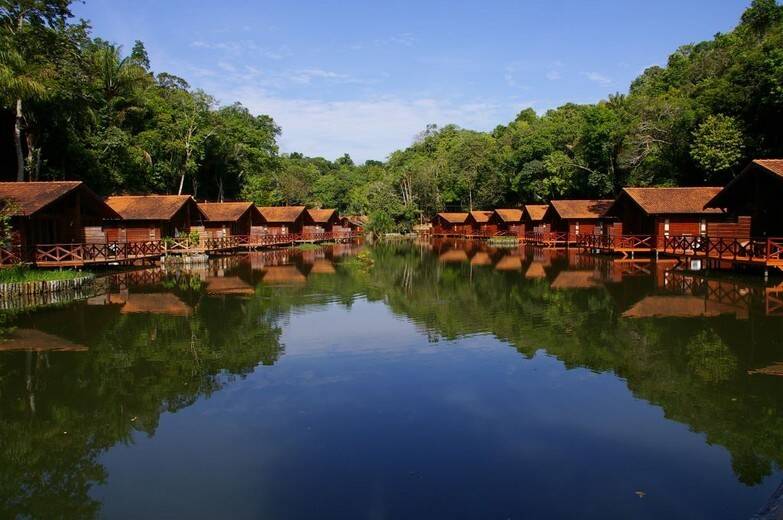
{"x":416,"y":380}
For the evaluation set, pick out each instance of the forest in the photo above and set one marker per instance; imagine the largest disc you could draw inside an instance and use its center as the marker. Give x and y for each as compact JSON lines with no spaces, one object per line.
{"x":75,"y":106}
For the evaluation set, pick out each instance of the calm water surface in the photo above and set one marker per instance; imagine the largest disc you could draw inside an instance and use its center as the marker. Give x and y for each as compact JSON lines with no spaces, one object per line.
{"x":445,"y":380}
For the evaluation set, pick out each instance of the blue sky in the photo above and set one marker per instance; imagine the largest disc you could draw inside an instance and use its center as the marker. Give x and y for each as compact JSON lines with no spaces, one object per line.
{"x":363,"y":77}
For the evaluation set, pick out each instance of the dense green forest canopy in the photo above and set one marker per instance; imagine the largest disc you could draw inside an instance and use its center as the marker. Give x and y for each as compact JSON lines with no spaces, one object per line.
{"x":78,"y":107}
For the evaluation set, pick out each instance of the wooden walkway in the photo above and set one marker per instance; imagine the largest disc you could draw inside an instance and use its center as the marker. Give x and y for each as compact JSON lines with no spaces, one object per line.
{"x":86,"y":254}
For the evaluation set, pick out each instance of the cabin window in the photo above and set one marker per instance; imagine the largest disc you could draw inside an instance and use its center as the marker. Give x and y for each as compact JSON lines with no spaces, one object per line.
{"x":703,"y":226}
{"x":599,"y":228}
{"x":666,"y":227}
{"x":576,"y":228}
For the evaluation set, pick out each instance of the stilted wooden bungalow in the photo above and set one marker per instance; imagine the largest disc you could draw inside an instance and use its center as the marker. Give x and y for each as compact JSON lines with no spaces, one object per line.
{"x":479,"y":224}
{"x":567,"y":219}
{"x":320,"y":221}
{"x":508,"y":222}
{"x":652,"y":214}
{"x":281,"y":220}
{"x":756,"y":193}
{"x":61,"y":212}
{"x":533,"y":219}
{"x":225,"y":219}
{"x":450,"y":224}
{"x":152,"y":217}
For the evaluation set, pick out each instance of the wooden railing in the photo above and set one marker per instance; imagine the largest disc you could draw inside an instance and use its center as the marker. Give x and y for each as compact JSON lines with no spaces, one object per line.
{"x":10,"y":255}
{"x":549,"y":238}
{"x":85,"y":253}
{"x":761,"y":250}
{"x":77,"y":254}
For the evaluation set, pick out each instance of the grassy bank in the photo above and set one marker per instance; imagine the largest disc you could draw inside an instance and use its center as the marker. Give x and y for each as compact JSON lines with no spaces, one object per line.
{"x":504,"y":241}
{"x":21,"y":274}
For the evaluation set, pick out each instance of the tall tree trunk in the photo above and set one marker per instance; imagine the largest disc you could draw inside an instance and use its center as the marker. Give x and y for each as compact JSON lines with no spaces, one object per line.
{"x":220,"y":189}
{"x":18,"y":141}
{"x":181,"y":182}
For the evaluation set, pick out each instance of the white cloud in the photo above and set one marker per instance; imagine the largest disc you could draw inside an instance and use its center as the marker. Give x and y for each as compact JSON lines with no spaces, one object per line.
{"x":365,"y":128}
{"x":598,"y":78}
{"x":404,"y":39}
{"x":553,"y":75}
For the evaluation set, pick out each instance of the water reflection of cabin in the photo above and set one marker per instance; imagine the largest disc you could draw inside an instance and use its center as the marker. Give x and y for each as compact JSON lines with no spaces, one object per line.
{"x":663,"y":212}
{"x":449,"y":223}
{"x":533,"y":218}
{"x":226,"y":219}
{"x":508,"y":221}
{"x":756,"y":193}
{"x":320,"y":221}
{"x":60,"y":212}
{"x":281,"y":220}
{"x":152,"y":217}
{"x":479,"y":223}
{"x":283,"y":275}
{"x":576,"y":217}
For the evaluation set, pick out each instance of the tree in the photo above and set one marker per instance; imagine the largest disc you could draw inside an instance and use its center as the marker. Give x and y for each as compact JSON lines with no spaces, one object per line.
{"x":718,"y":144}
{"x":25,"y":28}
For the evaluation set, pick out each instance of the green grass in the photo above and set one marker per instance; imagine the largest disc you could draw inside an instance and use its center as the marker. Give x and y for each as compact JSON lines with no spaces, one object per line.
{"x":21,"y":274}
{"x":503,"y":241}
{"x":308,"y":247}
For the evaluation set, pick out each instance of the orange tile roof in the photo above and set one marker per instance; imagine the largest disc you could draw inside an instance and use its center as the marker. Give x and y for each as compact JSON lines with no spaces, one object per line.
{"x":674,"y":307}
{"x":224,"y":211}
{"x":680,"y":200}
{"x":773,"y":165}
{"x":30,"y":197}
{"x":322,"y":266}
{"x":581,"y":209}
{"x":281,"y":214}
{"x":453,"y":256}
{"x":147,"y":207}
{"x":536,"y":211}
{"x":453,"y":218}
{"x":480,"y":217}
{"x":575,"y":280}
{"x":509,"y":215}
{"x":155,"y":303}
{"x":536,"y":270}
{"x":283,"y":274}
{"x":322,"y":216}
{"x":481,"y":258}
{"x":33,"y":340}
{"x":509,"y":263}
{"x":228,"y":285}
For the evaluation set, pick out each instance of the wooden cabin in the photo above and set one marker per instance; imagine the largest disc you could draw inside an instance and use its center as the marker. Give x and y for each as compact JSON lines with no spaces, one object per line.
{"x":755,"y":194}
{"x":225,"y":219}
{"x":58,"y":212}
{"x":663,"y":212}
{"x":320,"y":221}
{"x":508,"y":221}
{"x":447,"y":223}
{"x":153,"y":217}
{"x":533,"y":218}
{"x":351,"y":224}
{"x":281,"y":220}
{"x":479,"y":223}
{"x":576,"y":217}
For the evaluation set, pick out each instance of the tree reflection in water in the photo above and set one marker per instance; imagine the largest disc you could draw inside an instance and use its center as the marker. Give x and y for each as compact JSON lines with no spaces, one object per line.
{"x":79,"y":379}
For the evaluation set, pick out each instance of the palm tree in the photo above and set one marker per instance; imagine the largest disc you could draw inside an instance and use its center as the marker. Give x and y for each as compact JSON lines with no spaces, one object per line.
{"x":117,"y":80}
{"x":18,"y":83}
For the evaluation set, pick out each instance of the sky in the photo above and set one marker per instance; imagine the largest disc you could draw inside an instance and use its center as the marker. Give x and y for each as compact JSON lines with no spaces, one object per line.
{"x":364,"y":77}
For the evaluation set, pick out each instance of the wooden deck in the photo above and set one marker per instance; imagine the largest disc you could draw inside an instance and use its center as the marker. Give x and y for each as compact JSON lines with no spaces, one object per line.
{"x":766,"y":252}
{"x":86,"y":254}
